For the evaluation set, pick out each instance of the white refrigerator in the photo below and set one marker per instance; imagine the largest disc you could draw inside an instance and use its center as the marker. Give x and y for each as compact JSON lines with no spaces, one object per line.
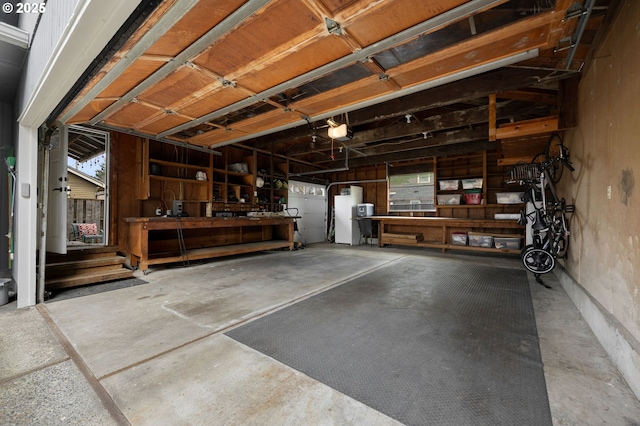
{"x":347,"y":230}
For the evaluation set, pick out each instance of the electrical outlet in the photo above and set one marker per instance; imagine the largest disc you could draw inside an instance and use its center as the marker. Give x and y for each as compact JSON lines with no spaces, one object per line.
{"x":608,"y":192}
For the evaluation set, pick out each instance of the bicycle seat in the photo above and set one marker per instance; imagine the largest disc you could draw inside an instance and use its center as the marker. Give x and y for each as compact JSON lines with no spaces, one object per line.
{"x":538,"y":224}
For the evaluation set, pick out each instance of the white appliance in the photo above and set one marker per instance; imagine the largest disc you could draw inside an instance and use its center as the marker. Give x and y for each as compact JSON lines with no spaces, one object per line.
{"x":347,"y":230}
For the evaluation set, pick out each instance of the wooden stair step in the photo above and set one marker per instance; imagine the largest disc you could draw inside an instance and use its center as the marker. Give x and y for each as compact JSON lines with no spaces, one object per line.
{"x":72,"y":267}
{"x":84,"y":253}
{"x":88,"y":278}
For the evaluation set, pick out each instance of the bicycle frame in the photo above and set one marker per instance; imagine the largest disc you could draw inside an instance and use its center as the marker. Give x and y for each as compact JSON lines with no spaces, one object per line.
{"x":550,"y":229}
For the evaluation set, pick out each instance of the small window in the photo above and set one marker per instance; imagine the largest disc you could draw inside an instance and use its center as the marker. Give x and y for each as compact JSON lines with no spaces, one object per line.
{"x":411,"y":192}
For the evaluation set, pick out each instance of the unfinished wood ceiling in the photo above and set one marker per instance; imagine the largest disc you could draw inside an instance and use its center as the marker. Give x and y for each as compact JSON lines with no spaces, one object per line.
{"x":403,"y":74}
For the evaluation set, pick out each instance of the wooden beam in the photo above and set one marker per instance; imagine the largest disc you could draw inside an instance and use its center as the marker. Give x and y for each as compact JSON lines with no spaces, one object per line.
{"x":457,"y":92}
{"x":513,"y":160}
{"x":431,"y":151}
{"x":436,"y":123}
{"x":492,"y":117}
{"x":528,"y":127}
{"x":412,"y":146}
{"x":537,"y":96}
{"x":568,"y":102}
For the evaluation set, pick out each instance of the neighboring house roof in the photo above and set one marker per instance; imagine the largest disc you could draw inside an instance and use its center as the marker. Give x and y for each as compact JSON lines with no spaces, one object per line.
{"x":93,"y":180}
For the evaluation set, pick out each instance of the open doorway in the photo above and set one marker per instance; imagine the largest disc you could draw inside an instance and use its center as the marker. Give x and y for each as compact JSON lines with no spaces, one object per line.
{"x":87,"y":196}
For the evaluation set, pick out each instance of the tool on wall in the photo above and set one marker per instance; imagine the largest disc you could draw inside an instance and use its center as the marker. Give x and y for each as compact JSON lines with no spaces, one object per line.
{"x":10,"y":161}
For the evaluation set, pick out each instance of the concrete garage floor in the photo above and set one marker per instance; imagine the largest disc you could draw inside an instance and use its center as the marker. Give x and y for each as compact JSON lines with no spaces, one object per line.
{"x":155,"y":354}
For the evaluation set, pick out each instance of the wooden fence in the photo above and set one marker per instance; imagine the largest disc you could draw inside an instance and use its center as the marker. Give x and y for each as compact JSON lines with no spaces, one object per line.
{"x":85,"y":211}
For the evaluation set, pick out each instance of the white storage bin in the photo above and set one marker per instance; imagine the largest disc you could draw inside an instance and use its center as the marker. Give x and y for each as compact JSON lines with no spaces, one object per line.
{"x":472,"y":183}
{"x":480,"y":240}
{"x":459,"y":238}
{"x":450,"y":184}
{"x":506,"y":216}
{"x":507,"y":243}
{"x":509,"y":197}
{"x":448,"y":199}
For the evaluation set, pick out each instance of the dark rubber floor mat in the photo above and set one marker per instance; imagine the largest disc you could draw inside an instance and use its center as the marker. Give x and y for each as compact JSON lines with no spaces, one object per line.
{"x":425,"y":341}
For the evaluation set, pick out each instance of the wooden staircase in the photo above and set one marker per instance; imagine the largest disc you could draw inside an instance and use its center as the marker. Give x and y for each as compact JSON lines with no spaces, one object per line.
{"x":86,"y":265}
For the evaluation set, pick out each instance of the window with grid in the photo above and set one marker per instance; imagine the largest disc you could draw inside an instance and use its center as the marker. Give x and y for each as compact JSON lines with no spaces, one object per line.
{"x":411,"y":189}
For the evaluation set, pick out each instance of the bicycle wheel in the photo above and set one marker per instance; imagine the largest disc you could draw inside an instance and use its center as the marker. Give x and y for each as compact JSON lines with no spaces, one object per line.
{"x":539,"y":158}
{"x":538,"y":261}
{"x":554,"y":150}
{"x":525,"y":249}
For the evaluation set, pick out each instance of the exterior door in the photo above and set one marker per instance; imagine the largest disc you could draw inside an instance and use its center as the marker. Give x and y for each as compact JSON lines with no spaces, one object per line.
{"x":57,"y":195}
{"x":308,"y":202}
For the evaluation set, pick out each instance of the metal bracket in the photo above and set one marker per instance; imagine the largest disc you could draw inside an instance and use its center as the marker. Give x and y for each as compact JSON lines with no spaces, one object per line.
{"x":332,"y":26}
{"x":227,"y":83}
{"x":584,"y":14}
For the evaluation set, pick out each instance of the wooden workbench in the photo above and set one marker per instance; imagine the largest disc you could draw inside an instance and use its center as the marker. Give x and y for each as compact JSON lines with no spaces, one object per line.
{"x":435,"y":232}
{"x":156,"y":240}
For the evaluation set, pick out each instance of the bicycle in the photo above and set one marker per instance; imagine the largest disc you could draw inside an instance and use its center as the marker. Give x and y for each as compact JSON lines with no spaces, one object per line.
{"x":550,"y":227}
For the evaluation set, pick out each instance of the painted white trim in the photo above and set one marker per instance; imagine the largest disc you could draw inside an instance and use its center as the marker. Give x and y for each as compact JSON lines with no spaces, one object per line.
{"x":622,"y":348}
{"x":92,"y":25}
{"x":14,"y":35}
{"x":24,"y":266}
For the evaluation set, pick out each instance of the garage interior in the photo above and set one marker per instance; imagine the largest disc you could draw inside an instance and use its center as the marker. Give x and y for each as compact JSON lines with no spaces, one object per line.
{"x":218,"y":109}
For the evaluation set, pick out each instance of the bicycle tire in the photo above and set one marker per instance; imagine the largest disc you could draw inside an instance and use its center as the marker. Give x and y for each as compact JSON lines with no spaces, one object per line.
{"x":538,"y":261}
{"x":553,"y":151}
{"x":525,"y":249}
{"x":539,"y":158}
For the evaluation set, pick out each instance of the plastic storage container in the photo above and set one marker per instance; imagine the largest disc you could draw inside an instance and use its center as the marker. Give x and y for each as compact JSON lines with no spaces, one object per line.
{"x":506,"y":216}
{"x":507,"y":243}
{"x":472,"y":183}
{"x":448,"y":185}
{"x":509,"y":197}
{"x":448,"y":199}
{"x":473,"y":198}
{"x":459,"y":238}
{"x":480,"y":240}
{"x":365,"y":209}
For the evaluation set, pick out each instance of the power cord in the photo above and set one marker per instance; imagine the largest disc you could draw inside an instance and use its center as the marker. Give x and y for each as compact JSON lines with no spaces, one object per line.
{"x":183,"y":247}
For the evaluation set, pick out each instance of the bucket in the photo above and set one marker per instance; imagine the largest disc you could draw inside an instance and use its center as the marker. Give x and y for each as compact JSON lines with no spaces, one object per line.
{"x":4,"y":291}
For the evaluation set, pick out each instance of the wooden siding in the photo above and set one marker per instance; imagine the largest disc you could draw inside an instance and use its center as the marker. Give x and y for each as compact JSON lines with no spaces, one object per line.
{"x":81,"y":188}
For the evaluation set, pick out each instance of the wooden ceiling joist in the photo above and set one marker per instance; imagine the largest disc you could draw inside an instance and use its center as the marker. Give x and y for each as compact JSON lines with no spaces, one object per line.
{"x":209,"y":74}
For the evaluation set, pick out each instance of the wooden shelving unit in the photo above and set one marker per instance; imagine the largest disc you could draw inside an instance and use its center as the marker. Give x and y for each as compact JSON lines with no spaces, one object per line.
{"x":436,"y":232}
{"x":273,"y":171}
{"x":166,"y":172}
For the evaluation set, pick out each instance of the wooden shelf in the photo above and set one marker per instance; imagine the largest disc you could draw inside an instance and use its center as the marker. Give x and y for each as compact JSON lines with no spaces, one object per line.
{"x":435,"y":232}
{"x":177,"y":165}
{"x":174,"y":179}
{"x":474,"y":206}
